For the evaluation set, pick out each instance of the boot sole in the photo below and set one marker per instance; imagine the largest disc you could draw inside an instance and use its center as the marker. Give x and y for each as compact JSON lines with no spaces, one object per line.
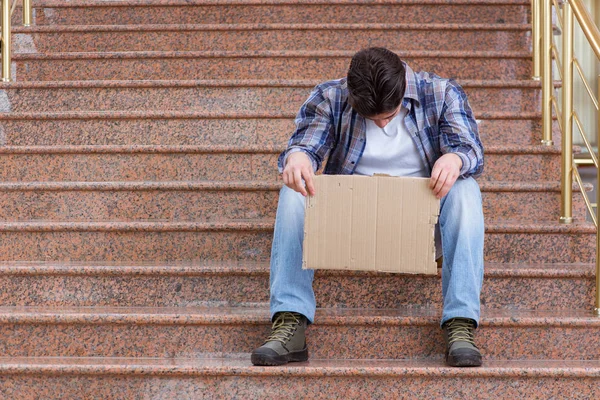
{"x":272,"y":361}
{"x":464,"y":361}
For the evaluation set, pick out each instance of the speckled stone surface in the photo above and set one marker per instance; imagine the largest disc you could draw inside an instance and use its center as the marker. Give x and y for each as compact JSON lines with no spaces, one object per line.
{"x":225,"y":99}
{"x":207,"y":378}
{"x":185,"y":241}
{"x":191,"y":12}
{"x":142,"y":245}
{"x":156,"y":163}
{"x":231,"y":283}
{"x":501,"y":37}
{"x":401,"y":333}
{"x":137,"y":130}
{"x":217,"y":200}
{"x":171,"y":201}
{"x":137,"y":167}
{"x":258,"y":65}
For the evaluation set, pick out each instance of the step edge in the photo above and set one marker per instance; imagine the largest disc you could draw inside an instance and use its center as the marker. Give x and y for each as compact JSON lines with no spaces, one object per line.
{"x":261,"y":54}
{"x":144,"y":28}
{"x":260,"y":316}
{"x":202,"y":83}
{"x":257,"y":268}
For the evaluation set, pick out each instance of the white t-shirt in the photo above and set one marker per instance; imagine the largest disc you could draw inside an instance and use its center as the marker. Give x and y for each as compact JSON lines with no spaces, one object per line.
{"x":391,"y":150}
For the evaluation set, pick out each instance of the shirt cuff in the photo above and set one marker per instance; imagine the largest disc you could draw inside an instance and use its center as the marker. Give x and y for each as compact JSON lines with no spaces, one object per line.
{"x":466,"y":164}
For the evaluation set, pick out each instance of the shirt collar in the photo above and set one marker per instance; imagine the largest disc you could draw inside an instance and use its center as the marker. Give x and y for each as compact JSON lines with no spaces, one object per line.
{"x":411,"y":85}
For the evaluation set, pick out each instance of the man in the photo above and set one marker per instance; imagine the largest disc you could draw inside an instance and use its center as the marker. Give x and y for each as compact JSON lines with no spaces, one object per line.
{"x":383,"y":118}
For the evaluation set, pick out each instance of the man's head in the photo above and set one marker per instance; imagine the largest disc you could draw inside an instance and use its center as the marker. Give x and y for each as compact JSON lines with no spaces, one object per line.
{"x":376,"y":83}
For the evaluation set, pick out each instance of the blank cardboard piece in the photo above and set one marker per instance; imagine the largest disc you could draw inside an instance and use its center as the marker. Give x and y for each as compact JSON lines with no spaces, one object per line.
{"x":365,"y":223}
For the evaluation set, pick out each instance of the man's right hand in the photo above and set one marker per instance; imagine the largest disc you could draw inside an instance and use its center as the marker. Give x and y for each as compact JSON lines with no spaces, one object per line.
{"x":298,"y":167}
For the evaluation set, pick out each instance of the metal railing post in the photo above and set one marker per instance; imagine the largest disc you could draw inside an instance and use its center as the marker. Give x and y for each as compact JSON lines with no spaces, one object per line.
{"x":536,"y":39}
{"x":547,"y":78}
{"x":566,"y":204}
{"x":597,"y":303}
{"x":27,"y":12}
{"x":6,"y":40}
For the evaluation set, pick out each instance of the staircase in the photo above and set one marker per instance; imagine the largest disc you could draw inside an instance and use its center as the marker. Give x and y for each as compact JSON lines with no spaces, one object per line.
{"x":139,"y":188}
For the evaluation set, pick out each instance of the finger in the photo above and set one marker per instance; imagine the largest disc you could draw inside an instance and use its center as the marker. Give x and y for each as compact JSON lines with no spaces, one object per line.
{"x":435,"y":174}
{"x":286,"y":179}
{"x":440,"y":182}
{"x":298,"y":182}
{"x":308,"y":178}
{"x":450,"y":181}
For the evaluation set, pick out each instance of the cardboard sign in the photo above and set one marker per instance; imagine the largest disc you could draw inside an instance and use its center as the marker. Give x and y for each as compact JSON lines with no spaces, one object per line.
{"x":377,"y":223}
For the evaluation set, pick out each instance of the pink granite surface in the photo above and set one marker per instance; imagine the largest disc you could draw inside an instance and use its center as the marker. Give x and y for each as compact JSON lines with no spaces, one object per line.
{"x":234,"y":283}
{"x":257,"y":37}
{"x":192,"y":12}
{"x":401,"y":333}
{"x":134,"y":129}
{"x":257,"y":65}
{"x":228,"y":378}
{"x":215,"y":200}
{"x":203,"y":97}
{"x":153,"y":163}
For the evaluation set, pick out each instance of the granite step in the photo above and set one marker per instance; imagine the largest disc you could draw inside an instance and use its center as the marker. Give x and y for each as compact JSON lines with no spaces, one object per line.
{"x":272,"y":35}
{"x":226,"y":97}
{"x":216,"y":200}
{"x":194,"y":129}
{"x":191,"y":163}
{"x":232,"y":376}
{"x":246,"y":283}
{"x":400,"y":333}
{"x":321,"y":65}
{"x":505,"y":241}
{"x":99,"y":12}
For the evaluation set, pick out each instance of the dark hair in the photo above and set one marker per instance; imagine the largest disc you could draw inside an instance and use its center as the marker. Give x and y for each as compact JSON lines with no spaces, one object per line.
{"x":376,"y":81}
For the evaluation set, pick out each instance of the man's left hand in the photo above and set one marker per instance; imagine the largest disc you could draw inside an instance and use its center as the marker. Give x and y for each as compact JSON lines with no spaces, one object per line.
{"x":445,"y":172}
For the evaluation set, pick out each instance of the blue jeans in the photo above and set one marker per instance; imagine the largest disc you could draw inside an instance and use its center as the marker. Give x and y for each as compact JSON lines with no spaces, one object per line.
{"x":462,"y":230}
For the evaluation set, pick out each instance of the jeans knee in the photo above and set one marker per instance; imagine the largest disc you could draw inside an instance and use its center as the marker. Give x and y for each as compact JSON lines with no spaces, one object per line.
{"x":291,"y":204}
{"x":463,"y":200}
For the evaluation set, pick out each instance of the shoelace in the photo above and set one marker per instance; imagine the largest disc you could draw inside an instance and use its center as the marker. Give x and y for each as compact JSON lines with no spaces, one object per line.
{"x":284,"y":327}
{"x":460,"y":330}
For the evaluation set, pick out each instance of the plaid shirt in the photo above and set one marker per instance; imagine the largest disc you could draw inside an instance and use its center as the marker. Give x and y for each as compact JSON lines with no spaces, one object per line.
{"x":439,"y":119}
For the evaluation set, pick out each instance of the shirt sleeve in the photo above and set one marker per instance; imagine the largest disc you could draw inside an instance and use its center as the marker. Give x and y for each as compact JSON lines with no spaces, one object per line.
{"x":314,"y":131}
{"x":459,"y":133}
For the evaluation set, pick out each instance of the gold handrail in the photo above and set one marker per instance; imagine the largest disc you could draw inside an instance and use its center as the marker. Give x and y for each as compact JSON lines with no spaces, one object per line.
{"x":585,"y":140}
{"x":567,"y":116}
{"x":546,"y":67}
{"x":5,"y":46}
{"x":7,"y":10}
{"x":588,"y":203}
{"x":588,"y":26}
{"x":585,"y":83}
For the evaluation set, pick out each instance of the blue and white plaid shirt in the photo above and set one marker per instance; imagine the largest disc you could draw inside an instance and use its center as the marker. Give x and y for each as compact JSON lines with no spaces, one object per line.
{"x":439,"y":119}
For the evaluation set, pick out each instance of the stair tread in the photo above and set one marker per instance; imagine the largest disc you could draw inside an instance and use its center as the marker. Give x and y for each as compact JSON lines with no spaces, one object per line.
{"x":239,"y":364}
{"x":147,"y":3}
{"x":267,"y":26}
{"x":259,"y":314}
{"x":265,"y":149}
{"x":170,"y":114}
{"x":308,"y":83}
{"x":497,"y":226}
{"x":234,"y":267}
{"x":262,"y":54}
{"x":242,"y":185}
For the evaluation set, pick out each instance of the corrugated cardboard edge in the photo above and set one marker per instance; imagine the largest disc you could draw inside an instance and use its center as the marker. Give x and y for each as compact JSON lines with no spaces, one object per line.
{"x":430,"y":268}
